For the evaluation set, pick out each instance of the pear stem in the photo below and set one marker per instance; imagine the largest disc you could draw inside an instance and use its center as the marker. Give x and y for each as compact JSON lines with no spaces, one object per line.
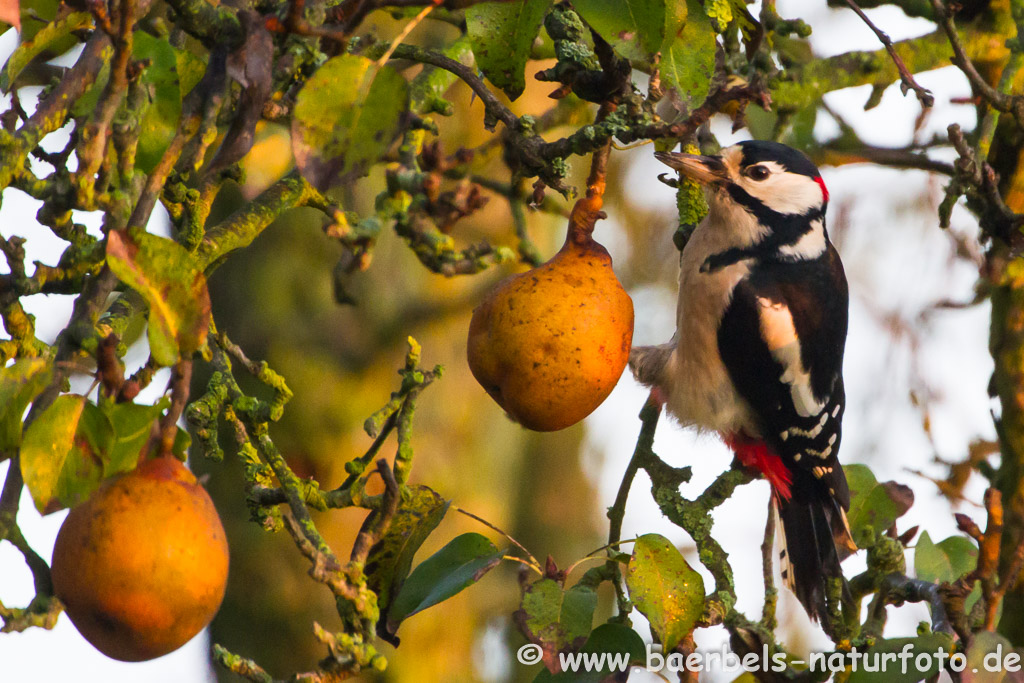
{"x":587,"y":209}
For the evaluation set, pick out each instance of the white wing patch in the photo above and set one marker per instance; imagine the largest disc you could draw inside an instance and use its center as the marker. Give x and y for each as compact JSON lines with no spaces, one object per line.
{"x":779,"y":334}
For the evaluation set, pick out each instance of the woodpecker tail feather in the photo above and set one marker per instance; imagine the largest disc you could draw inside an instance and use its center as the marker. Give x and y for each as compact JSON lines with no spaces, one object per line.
{"x":815,"y":538}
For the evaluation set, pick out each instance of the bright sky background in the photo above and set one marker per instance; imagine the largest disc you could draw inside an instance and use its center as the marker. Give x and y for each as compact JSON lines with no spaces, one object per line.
{"x":897,"y":260}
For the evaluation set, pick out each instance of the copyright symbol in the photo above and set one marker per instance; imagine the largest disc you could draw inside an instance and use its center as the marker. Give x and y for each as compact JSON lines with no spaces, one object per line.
{"x":529,"y":654}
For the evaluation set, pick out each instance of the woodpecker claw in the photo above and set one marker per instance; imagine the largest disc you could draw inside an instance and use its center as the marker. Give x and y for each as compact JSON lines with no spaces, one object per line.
{"x":671,"y":182}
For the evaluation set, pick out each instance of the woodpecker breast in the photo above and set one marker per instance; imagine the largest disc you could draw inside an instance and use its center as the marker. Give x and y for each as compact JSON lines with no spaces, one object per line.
{"x":701,"y":394}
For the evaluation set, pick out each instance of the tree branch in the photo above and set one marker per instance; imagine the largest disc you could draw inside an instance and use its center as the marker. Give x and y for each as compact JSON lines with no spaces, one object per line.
{"x":907,"y":81}
{"x":1012,"y":104}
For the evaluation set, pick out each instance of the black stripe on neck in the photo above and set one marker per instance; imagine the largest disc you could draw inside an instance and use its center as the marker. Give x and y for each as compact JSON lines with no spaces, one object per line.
{"x":768,"y":249}
{"x":786,"y":225}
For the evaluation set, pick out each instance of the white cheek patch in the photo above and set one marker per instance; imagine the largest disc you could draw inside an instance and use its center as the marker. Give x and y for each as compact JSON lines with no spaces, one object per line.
{"x":811,"y":244}
{"x":779,"y":334}
{"x":785,"y":192}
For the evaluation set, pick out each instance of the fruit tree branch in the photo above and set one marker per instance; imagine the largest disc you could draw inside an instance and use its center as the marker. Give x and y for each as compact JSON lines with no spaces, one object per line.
{"x":907,"y":81}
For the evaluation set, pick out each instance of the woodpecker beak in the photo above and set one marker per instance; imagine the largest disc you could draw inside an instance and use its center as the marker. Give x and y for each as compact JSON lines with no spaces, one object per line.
{"x":703,"y":169}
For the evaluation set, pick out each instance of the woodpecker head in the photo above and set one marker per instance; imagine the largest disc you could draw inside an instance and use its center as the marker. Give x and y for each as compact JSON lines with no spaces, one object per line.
{"x":770,"y":195}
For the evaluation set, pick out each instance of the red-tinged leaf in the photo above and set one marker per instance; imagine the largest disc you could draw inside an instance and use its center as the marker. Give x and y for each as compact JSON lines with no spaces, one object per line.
{"x":166,"y":276}
{"x":874,"y":506}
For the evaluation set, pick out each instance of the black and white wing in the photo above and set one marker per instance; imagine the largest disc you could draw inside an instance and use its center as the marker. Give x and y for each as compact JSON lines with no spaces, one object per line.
{"x":781,"y":340}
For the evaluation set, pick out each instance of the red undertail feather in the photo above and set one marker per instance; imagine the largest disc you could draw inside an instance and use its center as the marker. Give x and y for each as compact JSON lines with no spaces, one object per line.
{"x":756,"y":454}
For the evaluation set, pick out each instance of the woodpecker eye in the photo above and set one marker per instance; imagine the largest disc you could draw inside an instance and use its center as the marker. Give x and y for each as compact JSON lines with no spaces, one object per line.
{"x":757,"y":172}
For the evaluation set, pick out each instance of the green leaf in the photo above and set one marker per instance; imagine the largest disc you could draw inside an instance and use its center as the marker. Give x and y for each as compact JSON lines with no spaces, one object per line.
{"x":613,"y":639}
{"x":36,"y":15}
{"x":985,"y":660}
{"x":664,"y":588}
{"x":577,"y":616}
{"x":502,"y":34}
{"x":86,"y":463}
{"x":945,"y":561}
{"x":540,"y":612}
{"x":190,"y":70}
{"x":132,"y":424}
{"x":688,"y":54}
{"x":454,"y":567}
{"x":801,"y":128}
{"x":635,"y":28}
{"x":345,"y":118}
{"x":165,"y":275}
{"x":46,"y":445}
{"x":159,"y":119}
{"x":428,"y":88}
{"x":86,"y":104}
{"x":64,"y":451}
{"x":874,"y":507}
{"x":20,"y":383}
{"x":557,"y":620}
{"x":182,"y":441}
{"x":389,"y":560}
{"x":892,"y":671}
{"x":54,"y":36}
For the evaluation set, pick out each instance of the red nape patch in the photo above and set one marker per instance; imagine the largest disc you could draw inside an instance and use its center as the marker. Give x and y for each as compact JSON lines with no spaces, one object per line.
{"x":824,"y":190}
{"x":756,"y":454}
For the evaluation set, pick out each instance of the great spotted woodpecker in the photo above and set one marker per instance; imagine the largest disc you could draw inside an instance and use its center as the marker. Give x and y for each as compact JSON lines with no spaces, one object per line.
{"x":758,"y":351}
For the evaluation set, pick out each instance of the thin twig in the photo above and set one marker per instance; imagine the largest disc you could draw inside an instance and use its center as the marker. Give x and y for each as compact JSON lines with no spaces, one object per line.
{"x":181,"y":376}
{"x":531,"y":566}
{"x":649,"y":415}
{"x":883,"y":156}
{"x":465,"y":73}
{"x":1008,"y":579}
{"x":325,"y":567}
{"x":533,"y":560}
{"x":405,"y":33}
{"x":768,"y":570}
{"x":378,"y":521}
{"x":907,"y":81}
{"x":1013,"y":104}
